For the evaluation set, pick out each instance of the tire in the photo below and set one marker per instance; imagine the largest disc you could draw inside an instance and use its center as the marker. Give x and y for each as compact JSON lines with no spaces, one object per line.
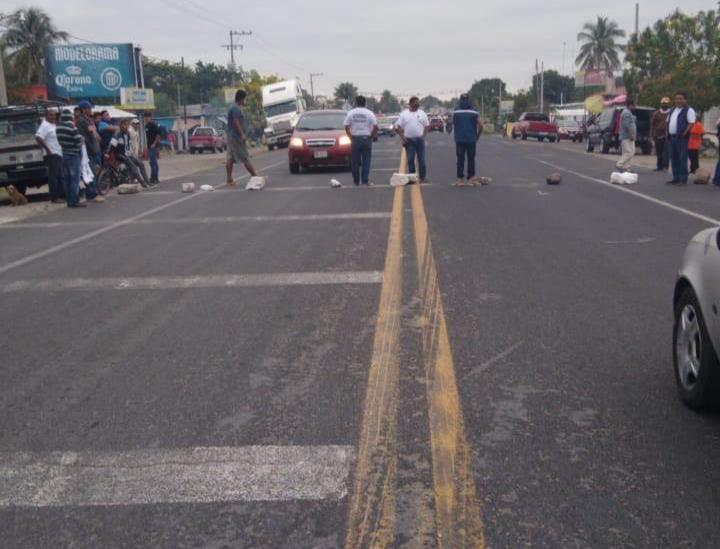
{"x":294,"y":167}
{"x":524,"y":137}
{"x":697,"y":370}
{"x":589,"y":146}
{"x":105,"y":181}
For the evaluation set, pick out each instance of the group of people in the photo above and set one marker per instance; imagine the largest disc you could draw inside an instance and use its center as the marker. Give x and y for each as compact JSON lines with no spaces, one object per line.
{"x":413,"y":126}
{"x":77,"y":145}
{"x":677,"y":134}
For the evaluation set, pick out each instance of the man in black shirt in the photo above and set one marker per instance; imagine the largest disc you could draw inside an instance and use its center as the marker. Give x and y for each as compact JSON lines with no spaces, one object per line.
{"x":152,"y":132}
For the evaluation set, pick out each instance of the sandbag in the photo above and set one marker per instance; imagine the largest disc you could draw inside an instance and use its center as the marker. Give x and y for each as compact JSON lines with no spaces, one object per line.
{"x":256,"y":183}
{"x":188,"y":187}
{"x":129,"y":188}
{"x":626,"y":178}
{"x":702,"y":177}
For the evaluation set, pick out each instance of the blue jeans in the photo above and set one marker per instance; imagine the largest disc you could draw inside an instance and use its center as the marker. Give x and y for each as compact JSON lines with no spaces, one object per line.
{"x":416,"y":146}
{"x":679,"y":158}
{"x":154,"y":168}
{"x":361,"y":154}
{"x":716,"y":179}
{"x":71,"y":177}
{"x":463,"y":151}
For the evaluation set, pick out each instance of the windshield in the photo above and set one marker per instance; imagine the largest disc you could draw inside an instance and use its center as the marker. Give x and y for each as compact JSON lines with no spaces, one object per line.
{"x":281,"y":108}
{"x":321,"y":121}
{"x":18,"y":131}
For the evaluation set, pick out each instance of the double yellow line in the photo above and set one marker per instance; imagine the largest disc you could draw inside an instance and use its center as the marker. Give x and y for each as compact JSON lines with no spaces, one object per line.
{"x":371,"y":521}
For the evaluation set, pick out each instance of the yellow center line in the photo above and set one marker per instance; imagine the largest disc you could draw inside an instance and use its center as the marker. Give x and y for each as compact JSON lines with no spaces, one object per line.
{"x":457,"y":511}
{"x":371,"y":521}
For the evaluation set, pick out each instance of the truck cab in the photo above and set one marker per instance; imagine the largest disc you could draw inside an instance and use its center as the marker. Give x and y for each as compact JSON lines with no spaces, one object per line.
{"x":283,"y":104}
{"x":22,"y":162}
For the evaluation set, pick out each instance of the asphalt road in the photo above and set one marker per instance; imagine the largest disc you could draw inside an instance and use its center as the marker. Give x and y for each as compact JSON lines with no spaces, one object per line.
{"x":310,"y":367}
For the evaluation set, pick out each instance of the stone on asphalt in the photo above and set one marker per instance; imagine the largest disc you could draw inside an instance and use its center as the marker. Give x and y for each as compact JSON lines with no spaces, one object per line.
{"x":188,"y":187}
{"x":128,"y":188}
{"x":554,"y":179}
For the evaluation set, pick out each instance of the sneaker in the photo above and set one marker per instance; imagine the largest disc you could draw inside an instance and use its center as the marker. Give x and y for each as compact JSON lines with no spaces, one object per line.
{"x":98,"y":200}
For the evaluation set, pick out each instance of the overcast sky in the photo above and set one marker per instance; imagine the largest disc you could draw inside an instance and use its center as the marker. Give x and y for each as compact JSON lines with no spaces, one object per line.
{"x":424,"y":46}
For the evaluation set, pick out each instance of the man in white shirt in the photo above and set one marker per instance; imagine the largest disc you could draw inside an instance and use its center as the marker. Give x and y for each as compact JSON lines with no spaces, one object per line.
{"x":680,"y":122}
{"x":413,"y":129}
{"x":361,"y":127}
{"x":46,"y":137}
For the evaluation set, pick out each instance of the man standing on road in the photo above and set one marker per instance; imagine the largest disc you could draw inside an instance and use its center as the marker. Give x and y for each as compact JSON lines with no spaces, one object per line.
{"x":628,"y":136}
{"x":681,"y":120}
{"x":468,"y":128}
{"x":71,"y":143}
{"x":86,"y":127}
{"x":361,"y":127}
{"x":716,"y":179}
{"x":413,"y":129}
{"x":152,"y":134}
{"x":237,"y":150}
{"x":46,"y":137}
{"x":658,"y":133}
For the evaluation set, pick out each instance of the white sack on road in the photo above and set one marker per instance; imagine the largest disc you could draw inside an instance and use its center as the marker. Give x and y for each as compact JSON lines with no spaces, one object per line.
{"x":626,"y":178}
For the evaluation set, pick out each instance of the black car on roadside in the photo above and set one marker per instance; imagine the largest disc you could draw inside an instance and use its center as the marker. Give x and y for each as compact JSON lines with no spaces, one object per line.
{"x":603,"y":130}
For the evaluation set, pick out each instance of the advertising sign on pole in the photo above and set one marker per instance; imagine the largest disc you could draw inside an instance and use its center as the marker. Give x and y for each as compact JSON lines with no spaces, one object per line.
{"x":90,"y":70}
{"x":137,"y":99}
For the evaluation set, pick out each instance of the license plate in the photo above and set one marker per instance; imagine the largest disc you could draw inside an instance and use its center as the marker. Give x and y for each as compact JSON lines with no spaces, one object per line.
{"x":320,"y":154}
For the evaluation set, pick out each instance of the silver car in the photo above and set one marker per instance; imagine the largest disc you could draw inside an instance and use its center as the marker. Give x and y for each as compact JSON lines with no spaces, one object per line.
{"x":696,"y":336}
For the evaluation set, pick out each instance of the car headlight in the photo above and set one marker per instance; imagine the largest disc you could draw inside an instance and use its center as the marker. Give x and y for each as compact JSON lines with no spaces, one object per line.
{"x":296,"y":143}
{"x":344,"y":141}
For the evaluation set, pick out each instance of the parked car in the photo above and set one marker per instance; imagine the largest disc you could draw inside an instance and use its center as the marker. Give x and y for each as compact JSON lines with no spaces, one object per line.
{"x":570,"y":130}
{"x":387,"y":125}
{"x":603,"y":131}
{"x":319,"y":139}
{"x":696,"y":336}
{"x":535,"y":124}
{"x":437,"y":124}
{"x":206,"y":139}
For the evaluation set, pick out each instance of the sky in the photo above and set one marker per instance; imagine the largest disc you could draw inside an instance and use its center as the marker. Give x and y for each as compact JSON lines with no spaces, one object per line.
{"x":423,"y":47}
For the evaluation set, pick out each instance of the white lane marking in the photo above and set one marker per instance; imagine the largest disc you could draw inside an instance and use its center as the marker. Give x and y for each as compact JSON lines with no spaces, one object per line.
{"x":92,"y":234}
{"x":192,"y":475}
{"x":652,"y":199}
{"x":641,"y":240}
{"x":507,"y":352}
{"x":194,"y":282}
{"x":208,"y":220}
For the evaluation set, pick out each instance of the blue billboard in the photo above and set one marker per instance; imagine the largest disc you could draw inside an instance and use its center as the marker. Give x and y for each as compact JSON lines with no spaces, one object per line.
{"x":90,"y":70}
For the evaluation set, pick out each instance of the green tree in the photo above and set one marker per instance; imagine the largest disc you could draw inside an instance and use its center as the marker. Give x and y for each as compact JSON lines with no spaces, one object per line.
{"x":430,"y":102}
{"x":388,"y":102}
{"x":165,"y":105}
{"x":29,"y":32}
{"x":678,"y":52}
{"x":346,"y":91}
{"x":486,"y":93}
{"x":373,"y":104}
{"x":599,"y":50}
{"x":558,"y":88}
{"x":524,"y":101}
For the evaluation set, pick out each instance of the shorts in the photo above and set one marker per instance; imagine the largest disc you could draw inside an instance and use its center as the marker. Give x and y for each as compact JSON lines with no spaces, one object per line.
{"x":237,"y":151}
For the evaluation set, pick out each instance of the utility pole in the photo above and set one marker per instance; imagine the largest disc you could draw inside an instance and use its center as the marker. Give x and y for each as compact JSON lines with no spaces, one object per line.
{"x":3,"y":88}
{"x":537,"y":83}
{"x":542,"y":87}
{"x":312,"y":87}
{"x":637,"y":20}
{"x":232,"y":46}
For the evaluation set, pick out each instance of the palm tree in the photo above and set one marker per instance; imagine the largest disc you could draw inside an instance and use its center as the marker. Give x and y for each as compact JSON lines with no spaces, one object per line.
{"x":29,"y":32}
{"x":599,"y":50}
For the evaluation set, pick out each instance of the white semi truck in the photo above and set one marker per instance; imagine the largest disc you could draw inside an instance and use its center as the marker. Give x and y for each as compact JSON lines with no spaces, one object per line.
{"x":283,"y":104}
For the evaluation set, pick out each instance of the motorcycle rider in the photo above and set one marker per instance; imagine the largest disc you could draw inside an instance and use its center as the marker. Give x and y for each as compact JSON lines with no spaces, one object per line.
{"x":120,"y":145}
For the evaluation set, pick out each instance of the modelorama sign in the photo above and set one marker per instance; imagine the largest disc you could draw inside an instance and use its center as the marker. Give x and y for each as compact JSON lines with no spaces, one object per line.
{"x":90,"y":70}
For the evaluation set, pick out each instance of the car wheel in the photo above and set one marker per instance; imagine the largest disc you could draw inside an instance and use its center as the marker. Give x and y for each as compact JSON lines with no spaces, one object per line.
{"x":294,"y":167}
{"x":589,"y":146}
{"x":697,"y":370}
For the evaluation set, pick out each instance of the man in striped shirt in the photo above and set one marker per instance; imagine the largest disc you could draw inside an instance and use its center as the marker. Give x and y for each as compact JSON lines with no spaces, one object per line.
{"x":71,"y":143}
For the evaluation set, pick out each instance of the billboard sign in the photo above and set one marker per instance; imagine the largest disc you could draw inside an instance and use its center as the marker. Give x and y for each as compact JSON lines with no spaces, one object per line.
{"x":90,"y":70}
{"x":137,"y":99}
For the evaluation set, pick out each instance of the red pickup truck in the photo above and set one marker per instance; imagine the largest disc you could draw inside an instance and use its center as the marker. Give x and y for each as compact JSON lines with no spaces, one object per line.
{"x":535,"y":124}
{"x":206,"y":139}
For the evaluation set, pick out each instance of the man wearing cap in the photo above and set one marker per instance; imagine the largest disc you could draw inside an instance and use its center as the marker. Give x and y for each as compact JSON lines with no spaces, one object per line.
{"x":46,"y":137}
{"x":658,"y":133}
{"x":86,"y":127}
